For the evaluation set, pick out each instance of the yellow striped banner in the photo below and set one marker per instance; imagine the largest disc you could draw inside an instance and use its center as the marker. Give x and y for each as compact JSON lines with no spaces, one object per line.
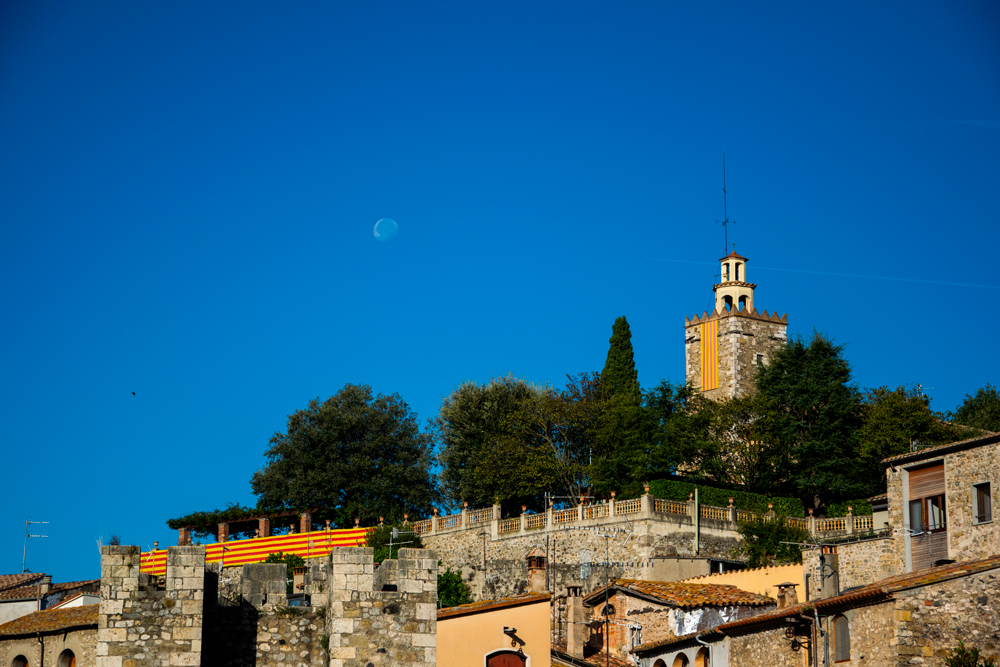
{"x":240,"y":552}
{"x":710,"y":355}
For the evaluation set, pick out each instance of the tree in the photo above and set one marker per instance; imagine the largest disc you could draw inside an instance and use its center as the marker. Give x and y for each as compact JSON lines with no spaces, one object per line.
{"x":893,"y":419}
{"x":765,"y":541}
{"x":981,"y":410}
{"x":966,"y":657}
{"x":380,"y":539}
{"x":470,"y":419}
{"x":291,"y":562}
{"x":355,"y":454}
{"x":816,"y":412}
{"x":619,"y":377}
{"x":452,"y":591}
{"x":741,"y":453}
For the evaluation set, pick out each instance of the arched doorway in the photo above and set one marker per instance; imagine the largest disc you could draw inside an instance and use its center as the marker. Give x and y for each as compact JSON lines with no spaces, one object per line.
{"x":701,"y":659}
{"x":681,"y":661}
{"x":19,"y":661}
{"x":66,"y":659}
{"x":505,"y":659}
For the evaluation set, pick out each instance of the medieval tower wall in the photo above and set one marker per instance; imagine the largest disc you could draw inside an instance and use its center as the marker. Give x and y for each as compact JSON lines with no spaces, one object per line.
{"x":723,"y":349}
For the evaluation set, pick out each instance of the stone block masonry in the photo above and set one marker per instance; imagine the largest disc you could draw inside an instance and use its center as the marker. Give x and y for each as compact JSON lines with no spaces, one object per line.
{"x":141,"y":625}
{"x":388,"y":618}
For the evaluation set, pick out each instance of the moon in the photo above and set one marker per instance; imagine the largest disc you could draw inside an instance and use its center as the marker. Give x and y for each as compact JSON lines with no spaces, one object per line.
{"x":386,"y":229}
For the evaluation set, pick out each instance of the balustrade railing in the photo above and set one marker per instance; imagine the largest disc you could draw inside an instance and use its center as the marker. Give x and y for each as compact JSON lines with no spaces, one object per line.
{"x":450,"y":522}
{"x":864,"y":523}
{"x":477,"y":517}
{"x":420,"y":527}
{"x":564,"y":516}
{"x":798,"y":522}
{"x":670,"y":506}
{"x":830,"y":525}
{"x":534,"y":521}
{"x":709,"y":512}
{"x":510,"y":525}
{"x":596,"y":511}
{"x":633,"y":506}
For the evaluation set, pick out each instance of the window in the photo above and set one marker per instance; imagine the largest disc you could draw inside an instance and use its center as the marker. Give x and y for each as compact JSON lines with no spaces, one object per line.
{"x":760,"y":359}
{"x":66,"y":659}
{"x":728,"y":301}
{"x":842,"y":639}
{"x":737,"y":270}
{"x":927,"y":514}
{"x":982,"y":504}
{"x":19,"y":661}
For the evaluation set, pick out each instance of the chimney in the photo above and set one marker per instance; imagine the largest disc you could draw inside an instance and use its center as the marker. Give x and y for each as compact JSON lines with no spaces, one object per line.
{"x":829,"y":564}
{"x":787,"y":596}
{"x":45,"y":585}
{"x":576,"y":630}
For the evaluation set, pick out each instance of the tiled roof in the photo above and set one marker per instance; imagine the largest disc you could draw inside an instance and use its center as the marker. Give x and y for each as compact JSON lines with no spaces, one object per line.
{"x":560,"y":658}
{"x":51,"y":620}
{"x":683,"y":594}
{"x":490,"y":605}
{"x":734,"y":255}
{"x":986,"y":439}
{"x":17,"y":580}
{"x":876,"y":592}
{"x":31,"y":592}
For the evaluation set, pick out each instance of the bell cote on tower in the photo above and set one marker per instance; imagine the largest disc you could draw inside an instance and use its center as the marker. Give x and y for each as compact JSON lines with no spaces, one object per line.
{"x":733,"y":292}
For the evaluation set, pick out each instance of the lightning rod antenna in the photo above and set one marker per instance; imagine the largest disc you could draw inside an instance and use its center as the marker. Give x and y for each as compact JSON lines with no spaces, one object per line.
{"x":725,"y":207}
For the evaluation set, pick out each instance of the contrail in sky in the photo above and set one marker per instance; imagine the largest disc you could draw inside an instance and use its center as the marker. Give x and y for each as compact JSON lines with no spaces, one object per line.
{"x":830,"y":273}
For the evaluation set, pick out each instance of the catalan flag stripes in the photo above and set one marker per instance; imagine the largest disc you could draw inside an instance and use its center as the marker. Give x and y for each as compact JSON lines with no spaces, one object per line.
{"x":240,"y":552}
{"x":710,"y":355}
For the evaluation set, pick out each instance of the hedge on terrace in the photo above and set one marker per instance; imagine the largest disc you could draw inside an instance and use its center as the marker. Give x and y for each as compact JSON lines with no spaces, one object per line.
{"x":669,"y":489}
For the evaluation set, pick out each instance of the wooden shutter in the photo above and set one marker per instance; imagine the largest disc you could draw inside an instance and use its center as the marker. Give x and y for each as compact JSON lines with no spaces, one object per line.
{"x":927,"y":482}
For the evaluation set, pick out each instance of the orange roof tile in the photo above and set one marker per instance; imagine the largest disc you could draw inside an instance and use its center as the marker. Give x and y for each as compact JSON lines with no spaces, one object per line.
{"x":735,"y":255}
{"x":980,"y":440}
{"x":51,"y":620}
{"x":31,"y":592}
{"x":684,"y":594}
{"x":490,"y":605}
{"x":876,"y":592}
{"x":18,"y":580}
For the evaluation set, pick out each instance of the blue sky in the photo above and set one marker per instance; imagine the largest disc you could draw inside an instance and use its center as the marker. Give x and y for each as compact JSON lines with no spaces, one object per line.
{"x":188,"y":192}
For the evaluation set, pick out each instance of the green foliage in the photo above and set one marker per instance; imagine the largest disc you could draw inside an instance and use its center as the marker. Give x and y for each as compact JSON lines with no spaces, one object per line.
{"x":965,"y":657}
{"x":291,"y":562}
{"x":861,"y":507}
{"x":764,"y":541}
{"x":290,"y":611}
{"x":893,"y":418}
{"x":752,"y":502}
{"x":452,"y":591}
{"x":324,"y":641}
{"x":981,"y":410}
{"x":471,"y":419}
{"x":203,"y":524}
{"x":816,"y":413}
{"x":379,"y":538}
{"x":359,"y":455}
{"x":619,"y":377}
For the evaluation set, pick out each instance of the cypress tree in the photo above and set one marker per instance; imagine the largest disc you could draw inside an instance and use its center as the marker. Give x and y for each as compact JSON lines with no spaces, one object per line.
{"x":619,"y":377}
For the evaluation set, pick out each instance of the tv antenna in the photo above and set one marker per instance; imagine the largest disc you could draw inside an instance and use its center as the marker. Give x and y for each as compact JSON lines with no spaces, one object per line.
{"x":725,"y":209}
{"x":396,"y":533}
{"x":27,"y":534}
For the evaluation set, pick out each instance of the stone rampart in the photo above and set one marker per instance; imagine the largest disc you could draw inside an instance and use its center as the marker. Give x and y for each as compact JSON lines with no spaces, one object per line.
{"x":384,"y":619}
{"x":143,"y":622}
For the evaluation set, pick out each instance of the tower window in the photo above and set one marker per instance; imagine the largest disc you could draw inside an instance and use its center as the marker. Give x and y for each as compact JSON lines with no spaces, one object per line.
{"x":743,"y":302}
{"x":737,"y":270}
{"x":760,"y":359}
{"x":728,"y":301}
{"x":725,"y":273}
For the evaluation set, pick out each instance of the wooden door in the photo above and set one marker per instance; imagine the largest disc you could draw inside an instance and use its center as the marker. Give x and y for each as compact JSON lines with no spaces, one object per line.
{"x":505,"y":659}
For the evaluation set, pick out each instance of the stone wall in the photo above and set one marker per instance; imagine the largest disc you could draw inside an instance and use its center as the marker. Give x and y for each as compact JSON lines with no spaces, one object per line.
{"x":384,"y":619}
{"x":968,"y":540}
{"x":81,"y":642}
{"x":143,"y":625}
{"x":742,"y":336}
{"x":931,"y":620}
{"x":858,"y":563}
{"x":576,"y":556}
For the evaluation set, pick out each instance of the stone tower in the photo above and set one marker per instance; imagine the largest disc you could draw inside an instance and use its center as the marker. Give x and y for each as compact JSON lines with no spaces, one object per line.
{"x":724,"y":348}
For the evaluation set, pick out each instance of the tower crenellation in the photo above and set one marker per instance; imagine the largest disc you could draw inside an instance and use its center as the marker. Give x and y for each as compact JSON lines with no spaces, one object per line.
{"x":724,"y":348}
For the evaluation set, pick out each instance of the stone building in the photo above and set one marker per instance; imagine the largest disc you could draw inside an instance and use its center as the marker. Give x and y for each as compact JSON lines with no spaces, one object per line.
{"x":909,"y":619}
{"x":941,"y":502}
{"x":724,"y":348}
{"x":50,"y":638}
{"x":22,"y":594}
{"x":644,"y":611}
